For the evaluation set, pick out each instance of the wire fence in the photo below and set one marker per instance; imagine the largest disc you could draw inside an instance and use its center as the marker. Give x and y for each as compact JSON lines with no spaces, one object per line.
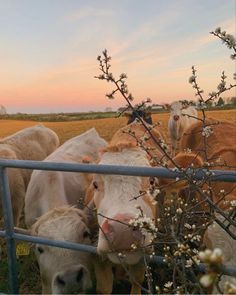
{"x":10,"y":235}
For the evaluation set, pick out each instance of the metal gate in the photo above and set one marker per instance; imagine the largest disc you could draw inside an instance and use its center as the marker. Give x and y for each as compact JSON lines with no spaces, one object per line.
{"x":10,"y":235}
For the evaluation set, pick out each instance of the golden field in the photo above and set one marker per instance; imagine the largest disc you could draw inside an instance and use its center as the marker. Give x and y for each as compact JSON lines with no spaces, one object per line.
{"x":105,"y":127}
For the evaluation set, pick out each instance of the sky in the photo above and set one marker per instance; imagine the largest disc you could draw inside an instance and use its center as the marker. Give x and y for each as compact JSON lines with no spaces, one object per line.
{"x":49,"y":49}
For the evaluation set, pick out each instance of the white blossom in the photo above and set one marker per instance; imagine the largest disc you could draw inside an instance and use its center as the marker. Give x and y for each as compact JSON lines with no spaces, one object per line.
{"x":207,"y":280}
{"x":192,"y":79}
{"x":187,"y":225}
{"x":211,"y":256}
{"x":233,"y":203}
{"x":207,"y":131}
{"x":189,"y":263}
{"x":179,"y":211}
{"x":168,"y":284}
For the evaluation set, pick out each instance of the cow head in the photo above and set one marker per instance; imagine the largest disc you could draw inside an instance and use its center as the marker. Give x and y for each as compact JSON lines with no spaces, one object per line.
{"x":63,"y":271}
{"x":118,"y":204}
{"x":176,"y":110}
{"x":135,"y":114}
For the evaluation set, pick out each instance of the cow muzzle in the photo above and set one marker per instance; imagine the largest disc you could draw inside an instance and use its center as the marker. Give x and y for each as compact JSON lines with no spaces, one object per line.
{"x":75,"y":279}
{"x":118,"y":235}
{"x":176,"y":117}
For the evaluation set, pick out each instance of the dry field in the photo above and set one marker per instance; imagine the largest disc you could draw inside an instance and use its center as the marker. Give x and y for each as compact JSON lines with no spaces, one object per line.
{"x":105,"y":127}
{"x":28,"y":270}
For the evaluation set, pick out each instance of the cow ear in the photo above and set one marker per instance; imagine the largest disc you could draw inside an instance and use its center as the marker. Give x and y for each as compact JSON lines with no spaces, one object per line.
{"x":185,"y":160}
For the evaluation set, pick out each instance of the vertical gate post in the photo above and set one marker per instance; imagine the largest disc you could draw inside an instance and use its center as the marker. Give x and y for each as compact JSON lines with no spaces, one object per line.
{"x":9,"y":230}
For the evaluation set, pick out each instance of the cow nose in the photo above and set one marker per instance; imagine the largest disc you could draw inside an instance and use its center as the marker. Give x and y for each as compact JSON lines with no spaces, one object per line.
{"x":119,"y":234}
{"x":71,"y":280}
{"x":176,"y":117}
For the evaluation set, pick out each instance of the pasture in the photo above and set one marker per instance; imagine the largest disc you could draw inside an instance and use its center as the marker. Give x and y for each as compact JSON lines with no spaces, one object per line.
{"x":28,"y":270}
{"x":106,"y":127}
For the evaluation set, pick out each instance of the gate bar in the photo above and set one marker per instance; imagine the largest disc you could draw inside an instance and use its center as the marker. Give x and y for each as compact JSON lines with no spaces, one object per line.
{"x":227,"y":270}
{"x":199,"y":174}
{"x":9,"y":230}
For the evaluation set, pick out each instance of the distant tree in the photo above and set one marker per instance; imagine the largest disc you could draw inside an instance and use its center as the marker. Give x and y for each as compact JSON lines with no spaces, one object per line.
{"x":220,"y":102}
{"x":209,"y":103}
{"x":3,"y":110}
{"x":233,"y":100}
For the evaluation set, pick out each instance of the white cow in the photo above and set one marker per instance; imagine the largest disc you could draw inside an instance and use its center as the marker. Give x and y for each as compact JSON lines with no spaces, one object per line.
{"x":117,"y":202}
{"x":181,"y":117}
{"x":63,"y":271}
{"x":33,"y":143}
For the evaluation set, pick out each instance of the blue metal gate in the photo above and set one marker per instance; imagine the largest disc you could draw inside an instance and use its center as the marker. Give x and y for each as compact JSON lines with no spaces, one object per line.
{"x":10,"y":235}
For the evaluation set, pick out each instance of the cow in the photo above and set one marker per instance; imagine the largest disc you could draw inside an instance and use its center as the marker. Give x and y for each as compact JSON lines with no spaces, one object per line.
{"x":221,"y":152}
{"x":33,"y":143}
{"x":118,"y":200}
{"x":63,"y":271}
{"x":181,"y":117}
{"x":48,"y":212}
{"x":136,"y":114}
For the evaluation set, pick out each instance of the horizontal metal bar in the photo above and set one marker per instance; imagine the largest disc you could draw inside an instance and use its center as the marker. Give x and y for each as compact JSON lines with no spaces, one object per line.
{"x":217,"y":175}
{"x":227,"y":270}
{"x":55,"y":243}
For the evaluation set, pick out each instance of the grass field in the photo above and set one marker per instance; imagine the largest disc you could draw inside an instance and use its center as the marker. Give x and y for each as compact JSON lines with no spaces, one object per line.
{"x":28,"y":270}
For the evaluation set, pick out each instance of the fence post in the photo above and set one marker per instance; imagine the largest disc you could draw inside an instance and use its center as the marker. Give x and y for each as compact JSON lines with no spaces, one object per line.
{"x":9,"y":230}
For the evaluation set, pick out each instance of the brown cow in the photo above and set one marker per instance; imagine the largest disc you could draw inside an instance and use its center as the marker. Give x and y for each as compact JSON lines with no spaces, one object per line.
{"x":33,"y":143}
{"x":117,"y":202}
{"x":220,"y":149}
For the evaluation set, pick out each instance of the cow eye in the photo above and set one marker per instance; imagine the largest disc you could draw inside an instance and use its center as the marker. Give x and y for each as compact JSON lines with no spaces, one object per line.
{"x":95,"y":185}
{"x":40,"y":250}
{"x":86,"y":234}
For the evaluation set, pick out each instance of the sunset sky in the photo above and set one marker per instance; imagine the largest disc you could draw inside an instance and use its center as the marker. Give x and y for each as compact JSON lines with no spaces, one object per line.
{"x":48,"y":50}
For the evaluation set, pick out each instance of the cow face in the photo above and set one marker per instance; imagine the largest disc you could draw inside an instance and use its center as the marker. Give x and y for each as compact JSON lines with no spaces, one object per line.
{"x":63,"y":271}
{"x":117,"y":202}
{"x":176,"y":110}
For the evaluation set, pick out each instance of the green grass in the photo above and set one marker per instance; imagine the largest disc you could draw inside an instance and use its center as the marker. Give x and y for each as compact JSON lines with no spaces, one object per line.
{"x":28,"y":273}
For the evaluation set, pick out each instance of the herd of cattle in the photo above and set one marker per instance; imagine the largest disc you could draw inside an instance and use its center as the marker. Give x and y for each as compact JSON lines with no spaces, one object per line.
{"x":61,"y":205}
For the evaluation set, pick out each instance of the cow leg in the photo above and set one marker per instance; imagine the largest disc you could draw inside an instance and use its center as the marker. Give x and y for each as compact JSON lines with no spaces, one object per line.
{"x":174,"y":146}
{"x":104,"y":276}
{"x":17,"y":191}
{"x":137,"y":273}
